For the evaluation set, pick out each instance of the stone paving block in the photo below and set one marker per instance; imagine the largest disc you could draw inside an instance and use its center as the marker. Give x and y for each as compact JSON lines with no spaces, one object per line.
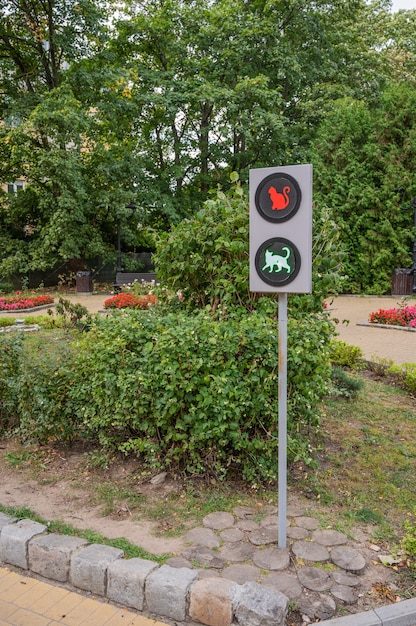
{"x":329,"y":537}
{"x":315,"y":579}
{"x":14,"y":540}
{"x":50,"y":555}
{"x":167,"y":590}
{"x":203,"y":537}
{"x":310,"y":551}
{"x":126,"y":581}
{"x":5,"y":520}
{"x":210,"y":602}
{"x":242,"y":573}
{"x":219,"y":520}
{"x":317,"y":607}
{"x":349,"y":559}
{"x":272,"y":558}
{"x":89,"y":566}
{"x":399,"y":614}
{"x":285,"y":583}
{"x":255,"y":605}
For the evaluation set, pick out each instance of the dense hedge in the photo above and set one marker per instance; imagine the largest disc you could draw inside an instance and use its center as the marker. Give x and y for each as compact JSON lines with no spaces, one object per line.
{"x":192,"y":392}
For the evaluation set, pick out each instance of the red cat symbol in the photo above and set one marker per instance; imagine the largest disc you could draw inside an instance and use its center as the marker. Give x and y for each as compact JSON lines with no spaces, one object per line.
{"x":279,"y":200}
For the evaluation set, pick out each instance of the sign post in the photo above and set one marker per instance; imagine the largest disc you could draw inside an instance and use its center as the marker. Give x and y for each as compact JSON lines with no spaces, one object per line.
{"x":281,"y":261}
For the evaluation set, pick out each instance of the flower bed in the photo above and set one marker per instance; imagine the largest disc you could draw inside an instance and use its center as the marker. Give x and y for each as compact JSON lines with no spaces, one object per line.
{"x":130,"y":301}
{"x":20,"y":301}
{"x":402,"y":316}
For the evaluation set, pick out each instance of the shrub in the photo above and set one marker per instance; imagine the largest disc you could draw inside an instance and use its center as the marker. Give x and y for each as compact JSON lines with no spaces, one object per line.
{"x":345,"y":385}
{"x":205,"y":259}
{"x":405,"y":375}
{"x":196,"y":393}
{"x":46,"y":376}
{"x":35,"y":380}
{"x":10,"y":363}
{"x":345,"y":355}
{"x":139,"y":287}
{"x":69,"y":315}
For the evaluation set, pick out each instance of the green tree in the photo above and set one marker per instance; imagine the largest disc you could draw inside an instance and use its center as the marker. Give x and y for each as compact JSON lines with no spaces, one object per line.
{"x":364,"y":158}
{"x":232,"y":85}
{"x":58,"y":137}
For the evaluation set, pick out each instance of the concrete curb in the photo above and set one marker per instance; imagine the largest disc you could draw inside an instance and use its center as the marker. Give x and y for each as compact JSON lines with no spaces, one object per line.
{"x":400,"y":614}
{"x":178,"y":594}
{"x":408,"y":329}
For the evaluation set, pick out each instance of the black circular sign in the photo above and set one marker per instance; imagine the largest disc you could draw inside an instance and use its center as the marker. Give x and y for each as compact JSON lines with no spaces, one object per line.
{"x":277,"y":261}
{"x":278,"y":197}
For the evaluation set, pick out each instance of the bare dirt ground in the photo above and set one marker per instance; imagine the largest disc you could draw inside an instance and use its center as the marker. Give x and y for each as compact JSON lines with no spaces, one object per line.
{"x":57,"y":484}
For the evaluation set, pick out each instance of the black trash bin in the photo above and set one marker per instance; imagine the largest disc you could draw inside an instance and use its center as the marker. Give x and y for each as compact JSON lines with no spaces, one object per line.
{"x":402,"y":282}
{"x":84,"y":282}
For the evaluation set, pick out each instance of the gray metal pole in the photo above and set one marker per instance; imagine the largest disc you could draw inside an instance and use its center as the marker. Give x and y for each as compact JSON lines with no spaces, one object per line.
{"x":282,"y":467}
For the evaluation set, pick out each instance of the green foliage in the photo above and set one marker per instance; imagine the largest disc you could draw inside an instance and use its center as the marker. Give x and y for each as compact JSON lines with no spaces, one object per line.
{"x":7,"y":321}
{"x":346,"y":355}
{"x":205,"y":260}
{"x":140,"y":288}
{"x":6,"y":287}
{"x":44,"y":404}
{"x":36,"y":376}
{"x":194,"y":393}
{"x":10,"y":376}
{"x":44,"y":321}
{"x":359,"y":155}
{"x":71,"y":315}
{"x":408,"y":543}
{"x":345,"y":385}
{"x":405,"y":374}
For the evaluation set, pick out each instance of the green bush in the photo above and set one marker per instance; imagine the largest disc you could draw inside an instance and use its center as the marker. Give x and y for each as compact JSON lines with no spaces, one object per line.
{"x":196,"y":393}
{"x":345,"y":385}
{"x":7,"y":321}
{"x":345,"y":355}
{"x":205,"y":259}
{"x":47,"y":374}
{"x":10,"y":364}
{"x":35,"y":379}
{"x":406,"y":375}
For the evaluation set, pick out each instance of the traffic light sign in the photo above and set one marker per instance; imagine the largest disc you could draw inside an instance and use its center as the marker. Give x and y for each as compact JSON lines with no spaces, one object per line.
{"x":281,"y":229}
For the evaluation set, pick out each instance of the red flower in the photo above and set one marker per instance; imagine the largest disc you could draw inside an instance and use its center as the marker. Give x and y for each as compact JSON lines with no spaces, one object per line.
{"x":403,"y":316}
{"x":18,"y":302}
{"x":130,"y":301}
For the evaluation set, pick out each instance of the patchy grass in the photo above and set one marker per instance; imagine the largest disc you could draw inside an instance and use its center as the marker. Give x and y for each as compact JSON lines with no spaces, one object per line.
{"x":130,"y":550}
{"x":367,"y":458}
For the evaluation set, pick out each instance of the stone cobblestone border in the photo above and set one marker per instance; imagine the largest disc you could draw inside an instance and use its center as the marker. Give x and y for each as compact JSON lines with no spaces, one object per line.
{"x":174,"y":593}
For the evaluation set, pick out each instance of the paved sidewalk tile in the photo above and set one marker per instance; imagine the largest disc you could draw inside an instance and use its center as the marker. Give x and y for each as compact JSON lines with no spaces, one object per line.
{"x":26,"y":601}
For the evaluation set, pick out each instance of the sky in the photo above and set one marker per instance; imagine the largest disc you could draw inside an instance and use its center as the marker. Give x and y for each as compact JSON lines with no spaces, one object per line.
{"x":404,"y":4}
